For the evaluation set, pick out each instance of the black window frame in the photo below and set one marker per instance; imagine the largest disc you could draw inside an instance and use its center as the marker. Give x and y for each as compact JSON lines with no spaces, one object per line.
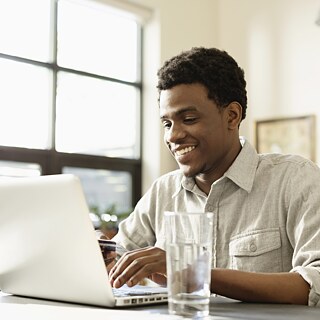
{"x":50,"y":160}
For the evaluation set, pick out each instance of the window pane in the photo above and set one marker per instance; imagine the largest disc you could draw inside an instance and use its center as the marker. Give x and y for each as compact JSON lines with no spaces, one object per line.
{"x":24,"y":105}
{"x":96,"y":41}
{"x":24,"y":28}
{"x":19,"y":169}
{"x":104,"y":188}
{"x":96,"y":117}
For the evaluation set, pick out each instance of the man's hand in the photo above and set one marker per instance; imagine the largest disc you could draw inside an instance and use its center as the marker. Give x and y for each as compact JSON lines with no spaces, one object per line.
{"x":109,"y":256}
{"x":138,"y":264}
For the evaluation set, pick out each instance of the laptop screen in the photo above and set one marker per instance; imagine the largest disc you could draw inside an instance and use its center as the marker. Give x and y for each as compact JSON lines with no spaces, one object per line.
{"x":48,"y":245}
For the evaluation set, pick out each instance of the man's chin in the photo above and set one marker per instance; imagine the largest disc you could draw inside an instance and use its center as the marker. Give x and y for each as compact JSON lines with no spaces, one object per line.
{"x":191,"y":171}
{"x":187,"y":172}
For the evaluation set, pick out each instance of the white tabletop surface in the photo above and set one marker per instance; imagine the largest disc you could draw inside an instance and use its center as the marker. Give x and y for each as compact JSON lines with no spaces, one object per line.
{"x":15,"y":307}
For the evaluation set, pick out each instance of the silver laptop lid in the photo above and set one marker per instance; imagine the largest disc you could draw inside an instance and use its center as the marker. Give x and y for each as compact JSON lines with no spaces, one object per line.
{"x":48,"y":247}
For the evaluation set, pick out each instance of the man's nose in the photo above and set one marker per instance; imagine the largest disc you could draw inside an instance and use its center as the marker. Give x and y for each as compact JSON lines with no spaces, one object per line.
{"x":175,"y":133}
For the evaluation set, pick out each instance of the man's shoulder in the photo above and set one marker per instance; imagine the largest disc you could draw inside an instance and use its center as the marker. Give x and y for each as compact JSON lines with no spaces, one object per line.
{"x":171,"y":182}
{"x":286,"y":160}
{"x":171,"y":177}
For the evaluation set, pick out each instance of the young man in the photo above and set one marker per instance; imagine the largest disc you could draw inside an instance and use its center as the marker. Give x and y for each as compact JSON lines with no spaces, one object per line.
{"x":267,"y":207}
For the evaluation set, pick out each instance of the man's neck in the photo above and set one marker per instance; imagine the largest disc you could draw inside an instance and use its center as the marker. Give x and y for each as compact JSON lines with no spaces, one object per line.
{"x":204,"y":181}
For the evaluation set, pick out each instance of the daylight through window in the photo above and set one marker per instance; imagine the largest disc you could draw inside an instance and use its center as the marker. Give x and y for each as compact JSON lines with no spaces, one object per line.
{"x":70,"y":98}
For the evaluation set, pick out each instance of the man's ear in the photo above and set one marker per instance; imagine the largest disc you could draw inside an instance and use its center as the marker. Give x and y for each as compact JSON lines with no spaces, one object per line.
{"x":234,"y":114}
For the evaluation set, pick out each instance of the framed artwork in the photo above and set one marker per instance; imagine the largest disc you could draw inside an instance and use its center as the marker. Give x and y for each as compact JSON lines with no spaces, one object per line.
{"x":295,"y":135}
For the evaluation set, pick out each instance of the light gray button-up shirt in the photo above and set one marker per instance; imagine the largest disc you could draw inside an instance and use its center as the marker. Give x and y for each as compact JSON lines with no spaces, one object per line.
{"x":267,"y":215}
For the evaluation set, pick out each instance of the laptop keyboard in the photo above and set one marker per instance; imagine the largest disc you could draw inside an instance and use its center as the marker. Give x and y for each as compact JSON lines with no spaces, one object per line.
{"x":125,"y":293}
{"x":137,"y":291}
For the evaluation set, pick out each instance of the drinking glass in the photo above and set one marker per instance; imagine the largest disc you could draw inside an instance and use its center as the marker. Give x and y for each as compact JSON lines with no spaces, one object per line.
{"x":189,"y":255}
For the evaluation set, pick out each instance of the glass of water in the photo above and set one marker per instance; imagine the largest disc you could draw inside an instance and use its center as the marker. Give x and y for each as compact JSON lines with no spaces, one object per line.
{"x":189,"y":255}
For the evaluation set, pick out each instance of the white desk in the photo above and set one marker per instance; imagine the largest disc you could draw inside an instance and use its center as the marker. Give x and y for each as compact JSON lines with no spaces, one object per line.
{"x":16,"y":308}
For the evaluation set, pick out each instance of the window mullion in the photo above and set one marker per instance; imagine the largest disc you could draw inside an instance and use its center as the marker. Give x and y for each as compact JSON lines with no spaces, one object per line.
{"x":96,"y":91}
{"x":53,"y":42}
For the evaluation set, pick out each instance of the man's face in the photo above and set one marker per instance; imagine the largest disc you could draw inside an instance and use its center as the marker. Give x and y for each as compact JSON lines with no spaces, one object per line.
{"x":196,"y":131}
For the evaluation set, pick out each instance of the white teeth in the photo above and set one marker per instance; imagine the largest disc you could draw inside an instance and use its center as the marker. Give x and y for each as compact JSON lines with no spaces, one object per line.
{"x":185,"y":150}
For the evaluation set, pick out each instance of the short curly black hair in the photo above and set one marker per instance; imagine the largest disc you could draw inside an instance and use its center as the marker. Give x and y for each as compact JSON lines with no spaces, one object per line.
{"x":211,"y":67}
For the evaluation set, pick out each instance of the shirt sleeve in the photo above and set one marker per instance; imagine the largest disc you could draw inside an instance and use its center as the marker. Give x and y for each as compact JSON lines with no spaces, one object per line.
{"x":303,"y":226}
{"x":311,"y":276}
{"x":145,"y":225}
{"x":137,"y":231}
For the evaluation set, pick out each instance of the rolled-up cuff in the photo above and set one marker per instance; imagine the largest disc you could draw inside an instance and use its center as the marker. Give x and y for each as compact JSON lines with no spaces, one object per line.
{"x":312,"y":276}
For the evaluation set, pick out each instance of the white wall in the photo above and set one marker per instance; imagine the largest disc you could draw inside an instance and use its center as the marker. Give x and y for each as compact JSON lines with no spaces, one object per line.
{"x":276,"y":42}
{"x":174,"y":25}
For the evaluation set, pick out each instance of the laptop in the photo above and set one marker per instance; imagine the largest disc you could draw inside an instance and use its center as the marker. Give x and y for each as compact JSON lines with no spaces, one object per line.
{"x":48,"y":246}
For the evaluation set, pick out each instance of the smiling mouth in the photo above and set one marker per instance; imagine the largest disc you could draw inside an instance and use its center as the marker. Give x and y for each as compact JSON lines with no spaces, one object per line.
{"x":184,"y":151}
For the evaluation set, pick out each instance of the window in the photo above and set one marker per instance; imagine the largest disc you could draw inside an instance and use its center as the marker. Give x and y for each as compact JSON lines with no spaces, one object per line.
{"x":70,"y":84}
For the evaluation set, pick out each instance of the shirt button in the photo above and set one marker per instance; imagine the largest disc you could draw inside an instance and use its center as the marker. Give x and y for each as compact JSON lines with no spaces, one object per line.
{"x":253,"y":247}
{"x":210,"y":208}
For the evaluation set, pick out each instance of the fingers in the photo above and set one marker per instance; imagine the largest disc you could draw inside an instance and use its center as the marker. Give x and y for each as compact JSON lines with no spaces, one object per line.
{"x":136,"y":265}
{"x":159,"y":278}
{"x":109,"y":259}
{"x":109,"y":254}
{"x":100,"y":235}
{"x":134,"y":273}
{"x":131,"y":265}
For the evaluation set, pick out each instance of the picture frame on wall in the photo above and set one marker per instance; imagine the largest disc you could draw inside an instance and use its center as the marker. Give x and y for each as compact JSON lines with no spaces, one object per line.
{"x":291,"y":135}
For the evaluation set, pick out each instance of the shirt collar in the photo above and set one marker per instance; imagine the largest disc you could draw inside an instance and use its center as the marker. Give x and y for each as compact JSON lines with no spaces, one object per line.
{"x":241,"y":172}
{"x":243,"y":169}
{"x":188,"y":184}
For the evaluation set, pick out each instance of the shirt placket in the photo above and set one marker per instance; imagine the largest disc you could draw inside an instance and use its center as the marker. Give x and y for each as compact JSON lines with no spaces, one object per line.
{"x":212,"y":205}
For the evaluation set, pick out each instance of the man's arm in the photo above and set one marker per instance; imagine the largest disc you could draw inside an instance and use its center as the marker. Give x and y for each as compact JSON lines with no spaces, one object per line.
{"x":287,"y":287}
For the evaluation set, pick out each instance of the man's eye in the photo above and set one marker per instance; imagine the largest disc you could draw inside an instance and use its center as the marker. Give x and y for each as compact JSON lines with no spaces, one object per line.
{"x":189,"y":120}
{"x":166,"y":125}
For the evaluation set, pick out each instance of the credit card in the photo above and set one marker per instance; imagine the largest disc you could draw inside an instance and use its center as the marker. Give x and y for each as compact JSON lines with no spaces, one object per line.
{"x":109,"y":245}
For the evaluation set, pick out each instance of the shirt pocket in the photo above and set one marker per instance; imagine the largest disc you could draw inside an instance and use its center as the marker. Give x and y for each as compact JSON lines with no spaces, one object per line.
{"x":257,"y":251}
